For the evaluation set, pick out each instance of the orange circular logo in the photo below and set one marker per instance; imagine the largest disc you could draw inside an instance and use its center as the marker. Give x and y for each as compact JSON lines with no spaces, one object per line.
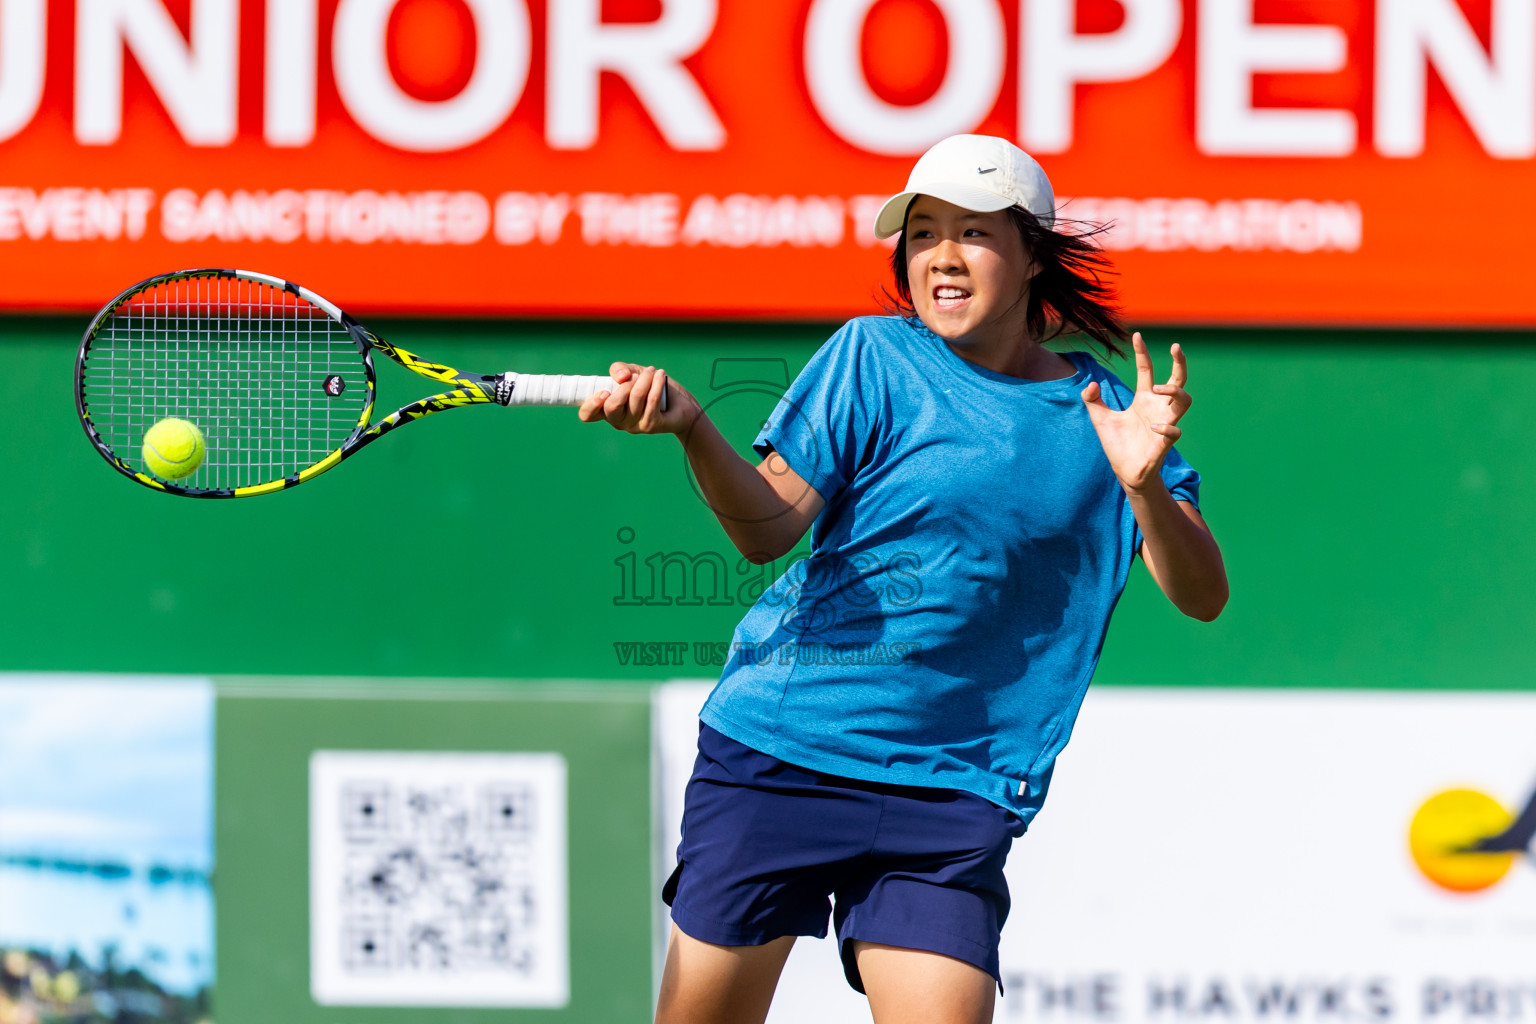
{"x":1444,"y":828}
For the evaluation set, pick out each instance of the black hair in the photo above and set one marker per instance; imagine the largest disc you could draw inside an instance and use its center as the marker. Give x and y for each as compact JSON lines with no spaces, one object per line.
{"x":1068,"y":295}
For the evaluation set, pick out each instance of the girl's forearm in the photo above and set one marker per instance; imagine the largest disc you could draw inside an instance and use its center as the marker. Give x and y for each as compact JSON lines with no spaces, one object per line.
{"x":764,"y":522}
{"x":1181,"y":553}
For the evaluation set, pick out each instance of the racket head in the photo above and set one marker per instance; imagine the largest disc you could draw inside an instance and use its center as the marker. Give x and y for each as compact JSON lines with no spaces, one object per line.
{"x":278,"y":380}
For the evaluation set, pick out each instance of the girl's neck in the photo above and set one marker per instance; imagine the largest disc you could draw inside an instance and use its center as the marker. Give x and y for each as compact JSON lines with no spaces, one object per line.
{"x":1017,"y":356}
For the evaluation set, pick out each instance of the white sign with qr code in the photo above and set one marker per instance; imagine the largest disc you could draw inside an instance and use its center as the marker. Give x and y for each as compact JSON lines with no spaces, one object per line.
{"x":438,"y":879}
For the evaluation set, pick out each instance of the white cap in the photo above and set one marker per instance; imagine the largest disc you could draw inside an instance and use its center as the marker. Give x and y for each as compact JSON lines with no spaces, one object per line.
{"x":975,"y":172}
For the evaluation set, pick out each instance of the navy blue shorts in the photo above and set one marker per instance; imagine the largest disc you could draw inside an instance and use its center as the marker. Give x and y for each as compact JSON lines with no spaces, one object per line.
{"x":768,"y":846}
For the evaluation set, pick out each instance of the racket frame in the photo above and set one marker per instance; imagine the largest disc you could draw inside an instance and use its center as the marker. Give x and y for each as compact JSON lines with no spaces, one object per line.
{"x":467,"y":389}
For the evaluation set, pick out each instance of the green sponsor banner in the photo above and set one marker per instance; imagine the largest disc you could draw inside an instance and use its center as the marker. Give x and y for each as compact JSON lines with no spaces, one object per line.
{"x":423,"y":906}
{"x":1371,"y":490}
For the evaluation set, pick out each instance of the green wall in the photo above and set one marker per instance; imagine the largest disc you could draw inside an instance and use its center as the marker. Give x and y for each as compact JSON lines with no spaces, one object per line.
{"x":265,"y":732}
{"x":1371,"y":491}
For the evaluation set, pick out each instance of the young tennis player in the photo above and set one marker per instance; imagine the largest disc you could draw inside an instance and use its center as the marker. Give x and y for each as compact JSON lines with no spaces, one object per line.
{"x":891,"y":710}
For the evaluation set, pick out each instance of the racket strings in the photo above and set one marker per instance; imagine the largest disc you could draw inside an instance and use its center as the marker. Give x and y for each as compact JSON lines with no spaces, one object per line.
{"x":252,"y":366}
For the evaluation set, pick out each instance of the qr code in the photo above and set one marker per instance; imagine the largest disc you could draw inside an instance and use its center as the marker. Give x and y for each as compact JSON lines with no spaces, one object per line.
{"x":438,"y":879}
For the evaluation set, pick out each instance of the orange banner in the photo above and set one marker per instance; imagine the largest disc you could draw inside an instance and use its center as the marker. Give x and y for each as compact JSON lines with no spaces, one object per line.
{"x":1260,"y":161}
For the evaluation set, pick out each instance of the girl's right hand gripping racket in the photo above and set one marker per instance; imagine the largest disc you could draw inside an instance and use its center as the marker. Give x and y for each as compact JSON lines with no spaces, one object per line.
{"x":279,"y":381}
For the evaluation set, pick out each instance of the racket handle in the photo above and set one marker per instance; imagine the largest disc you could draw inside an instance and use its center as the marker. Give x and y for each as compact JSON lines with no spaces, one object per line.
{"x":553,"y":389}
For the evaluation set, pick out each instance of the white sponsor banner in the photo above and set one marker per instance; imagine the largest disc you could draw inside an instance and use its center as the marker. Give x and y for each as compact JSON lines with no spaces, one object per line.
{"x":1246,"y":855}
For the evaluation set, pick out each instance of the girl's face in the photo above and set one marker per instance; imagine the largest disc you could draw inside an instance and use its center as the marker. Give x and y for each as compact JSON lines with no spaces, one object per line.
{"x":968,"y":272}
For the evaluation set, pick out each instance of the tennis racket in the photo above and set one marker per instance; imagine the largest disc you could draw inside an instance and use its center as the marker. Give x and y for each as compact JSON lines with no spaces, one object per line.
{"x":279,"y":381}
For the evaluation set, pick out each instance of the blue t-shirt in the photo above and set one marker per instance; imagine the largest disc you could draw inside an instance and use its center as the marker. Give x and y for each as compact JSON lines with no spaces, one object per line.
{"x":945,"y":625}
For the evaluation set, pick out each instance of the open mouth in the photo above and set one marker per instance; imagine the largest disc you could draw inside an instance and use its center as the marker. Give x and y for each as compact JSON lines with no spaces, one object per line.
{"x":947,"y":297}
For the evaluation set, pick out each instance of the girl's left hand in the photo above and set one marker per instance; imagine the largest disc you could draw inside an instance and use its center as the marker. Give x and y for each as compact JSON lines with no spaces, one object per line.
{"x":1137,"y":438}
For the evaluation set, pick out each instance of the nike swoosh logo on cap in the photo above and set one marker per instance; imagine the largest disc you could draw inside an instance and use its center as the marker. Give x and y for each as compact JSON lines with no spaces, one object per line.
{"x":987,"y":170}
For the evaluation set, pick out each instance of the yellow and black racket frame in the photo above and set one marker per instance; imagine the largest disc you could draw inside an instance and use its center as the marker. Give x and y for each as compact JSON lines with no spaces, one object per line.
{"x":467,"y":389}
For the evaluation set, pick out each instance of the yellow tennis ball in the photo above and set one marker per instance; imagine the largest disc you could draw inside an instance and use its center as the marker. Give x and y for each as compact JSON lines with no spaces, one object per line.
{"x":173,"y":448}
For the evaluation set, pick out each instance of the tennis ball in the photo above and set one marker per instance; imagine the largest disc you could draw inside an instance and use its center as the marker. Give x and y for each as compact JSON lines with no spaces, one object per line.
{"x":173,"y":448}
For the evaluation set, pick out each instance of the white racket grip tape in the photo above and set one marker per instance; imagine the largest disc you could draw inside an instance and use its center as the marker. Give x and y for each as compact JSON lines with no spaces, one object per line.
{"x":553,"y":389}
